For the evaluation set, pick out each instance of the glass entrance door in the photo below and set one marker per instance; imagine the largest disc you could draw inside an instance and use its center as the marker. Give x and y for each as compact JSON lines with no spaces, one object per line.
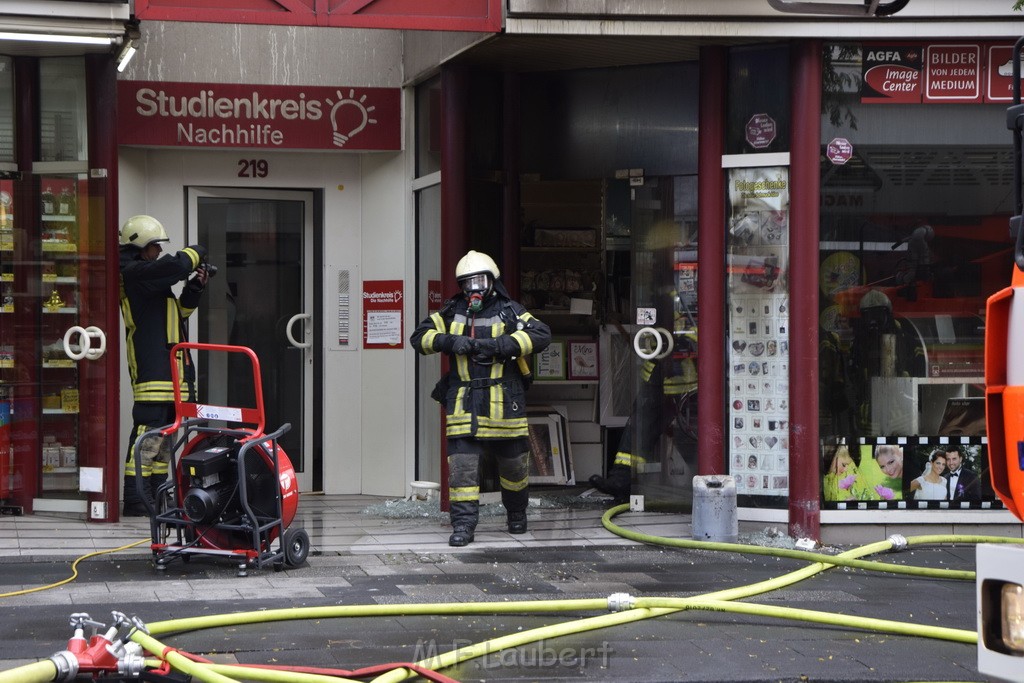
{"x":261,"y":297}
{"x":661,"y":436}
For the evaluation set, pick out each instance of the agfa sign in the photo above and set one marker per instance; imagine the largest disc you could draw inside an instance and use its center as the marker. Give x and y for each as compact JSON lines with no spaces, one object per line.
{"x":258,"y":116}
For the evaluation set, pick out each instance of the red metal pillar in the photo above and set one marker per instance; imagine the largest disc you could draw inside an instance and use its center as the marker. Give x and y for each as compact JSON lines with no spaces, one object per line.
{"x":805,"y":151}
{"x":26,"y":423}
{"x":511,"y":228}
{"x":711,"y":261}
{"x":454,"y":201}
{"x":101,"y":97}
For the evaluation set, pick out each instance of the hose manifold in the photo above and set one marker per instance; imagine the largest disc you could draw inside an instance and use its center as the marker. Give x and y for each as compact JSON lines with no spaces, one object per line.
{"x":899,"y":543}
{"x":620,"y":602}
{"x":67,"y":666}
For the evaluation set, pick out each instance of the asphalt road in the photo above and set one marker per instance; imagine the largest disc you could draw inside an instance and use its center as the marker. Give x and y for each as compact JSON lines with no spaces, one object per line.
{"x":691,"y":645}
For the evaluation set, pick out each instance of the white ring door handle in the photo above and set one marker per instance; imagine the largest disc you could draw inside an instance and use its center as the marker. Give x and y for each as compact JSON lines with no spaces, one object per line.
{"x":288,"y":330}
{"x":658,"y":343}
{"x":85,"y":347}
{"x":669,"y":343}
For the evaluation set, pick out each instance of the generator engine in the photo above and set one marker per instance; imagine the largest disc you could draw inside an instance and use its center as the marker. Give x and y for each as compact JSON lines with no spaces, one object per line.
{"x":212,"y":483}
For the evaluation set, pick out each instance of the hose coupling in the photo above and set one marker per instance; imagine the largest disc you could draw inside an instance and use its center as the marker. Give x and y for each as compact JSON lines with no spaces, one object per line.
{"x":132,"y":662}
{"x":620,"y":602}
{"x":899,"y":543}
{"x":67,"y":666}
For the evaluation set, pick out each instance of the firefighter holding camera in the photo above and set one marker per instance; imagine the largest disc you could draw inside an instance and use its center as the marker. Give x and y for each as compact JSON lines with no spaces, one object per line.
{"x":154,"y":320}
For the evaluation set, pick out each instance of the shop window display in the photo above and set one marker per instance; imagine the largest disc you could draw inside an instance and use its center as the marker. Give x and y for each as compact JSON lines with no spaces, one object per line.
{"x":913,"y":240}
{"x":757,"y":245}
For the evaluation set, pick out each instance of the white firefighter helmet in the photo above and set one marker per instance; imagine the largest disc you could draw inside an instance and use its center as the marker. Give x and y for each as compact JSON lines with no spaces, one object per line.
{"x":875,"y":299}
{"x":475,"y":262}
{"x":141,"y":231}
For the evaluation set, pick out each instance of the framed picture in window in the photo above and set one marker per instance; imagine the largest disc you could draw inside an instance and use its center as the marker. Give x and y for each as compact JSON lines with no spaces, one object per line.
{"x":550,"y":363}
{"x":547,"y":449}
{"x":582,"y":360}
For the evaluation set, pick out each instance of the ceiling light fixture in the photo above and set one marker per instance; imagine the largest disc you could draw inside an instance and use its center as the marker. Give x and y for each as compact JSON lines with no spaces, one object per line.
{"x":56,"y":38}
{"x":129,"y":44}
{"x":126,"y":54}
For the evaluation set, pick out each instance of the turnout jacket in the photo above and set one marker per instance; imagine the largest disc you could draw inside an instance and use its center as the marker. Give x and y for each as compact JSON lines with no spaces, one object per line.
{"x":153,"y":318}
{"x":484,"y":398}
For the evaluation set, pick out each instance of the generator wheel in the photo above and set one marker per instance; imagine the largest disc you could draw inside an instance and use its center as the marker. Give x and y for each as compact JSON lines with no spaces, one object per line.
{"x":296,"y":546}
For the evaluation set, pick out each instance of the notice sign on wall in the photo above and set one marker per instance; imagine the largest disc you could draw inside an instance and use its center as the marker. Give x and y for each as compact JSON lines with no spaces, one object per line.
{"x":382,"y":314}
{"x":240,"y":116}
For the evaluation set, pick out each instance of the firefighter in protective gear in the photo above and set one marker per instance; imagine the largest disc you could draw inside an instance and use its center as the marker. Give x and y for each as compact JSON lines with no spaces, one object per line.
{"x":668,"y":386}
{"x":883,"y":346}
{"x":488,"y":338}
{"x":154,"y":322}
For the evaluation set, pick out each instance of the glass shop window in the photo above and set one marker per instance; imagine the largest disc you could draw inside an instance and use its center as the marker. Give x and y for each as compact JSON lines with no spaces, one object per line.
{"x":428,"y":127}
{"x":6,"y":110}
{"x":916,"y":192}
{"x":62,"y":124}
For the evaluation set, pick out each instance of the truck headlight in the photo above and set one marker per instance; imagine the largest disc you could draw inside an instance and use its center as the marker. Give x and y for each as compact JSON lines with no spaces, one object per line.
{"x":1000,"y":595}
{"x":1012,"y":610}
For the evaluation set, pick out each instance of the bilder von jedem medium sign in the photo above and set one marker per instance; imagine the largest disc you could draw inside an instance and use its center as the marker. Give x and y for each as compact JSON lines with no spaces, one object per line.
{"x":231,"y":115}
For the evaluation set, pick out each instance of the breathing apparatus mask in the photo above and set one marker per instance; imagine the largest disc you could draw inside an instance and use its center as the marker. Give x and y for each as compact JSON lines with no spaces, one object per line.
{"x":476,"y":287}
{"x":877,"y":319}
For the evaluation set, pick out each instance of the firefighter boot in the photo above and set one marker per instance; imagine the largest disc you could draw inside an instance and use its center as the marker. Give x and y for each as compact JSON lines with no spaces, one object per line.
{"x":514,"y":473}
{"x":464,"y":517}
{"x":517,"y":522}
{"x":617,"y":484}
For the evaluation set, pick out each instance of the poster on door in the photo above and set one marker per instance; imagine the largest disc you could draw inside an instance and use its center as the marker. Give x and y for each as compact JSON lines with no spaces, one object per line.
{"x":382,"y":314}
{"x":758,"y":332}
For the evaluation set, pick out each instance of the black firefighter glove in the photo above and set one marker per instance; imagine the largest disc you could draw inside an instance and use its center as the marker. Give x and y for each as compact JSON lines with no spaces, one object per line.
{"x":454,"y":343}
{"x":195,"y":285}
{"x":484,"y":349}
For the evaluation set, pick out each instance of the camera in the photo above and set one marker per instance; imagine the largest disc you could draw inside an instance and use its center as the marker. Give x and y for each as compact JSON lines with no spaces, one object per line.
{"x":211,"y":270}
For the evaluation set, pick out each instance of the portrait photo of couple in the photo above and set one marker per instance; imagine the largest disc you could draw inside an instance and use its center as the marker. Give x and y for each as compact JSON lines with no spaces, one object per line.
{"x":947,"y":473}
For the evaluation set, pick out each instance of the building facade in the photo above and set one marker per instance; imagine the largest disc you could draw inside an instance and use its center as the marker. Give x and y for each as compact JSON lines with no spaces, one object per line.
{"x":705,"y":195}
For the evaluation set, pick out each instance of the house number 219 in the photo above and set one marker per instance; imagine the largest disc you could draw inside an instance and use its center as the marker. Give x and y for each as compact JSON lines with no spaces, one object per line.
{"x":253,"y":168}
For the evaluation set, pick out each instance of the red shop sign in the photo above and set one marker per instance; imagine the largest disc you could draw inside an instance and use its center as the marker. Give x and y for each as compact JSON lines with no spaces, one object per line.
{"x":891,"y":73}
{"x":382,"y":314}
{"x":231,"y":115}
{"x":1000,"y":73}
{"x":952,"y":73}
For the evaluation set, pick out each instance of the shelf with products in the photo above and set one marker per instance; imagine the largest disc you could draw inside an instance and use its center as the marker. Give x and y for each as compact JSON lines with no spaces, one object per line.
{"x":561,"y":278}
{"x":54,"y":246}
{"x":60,"y":204}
